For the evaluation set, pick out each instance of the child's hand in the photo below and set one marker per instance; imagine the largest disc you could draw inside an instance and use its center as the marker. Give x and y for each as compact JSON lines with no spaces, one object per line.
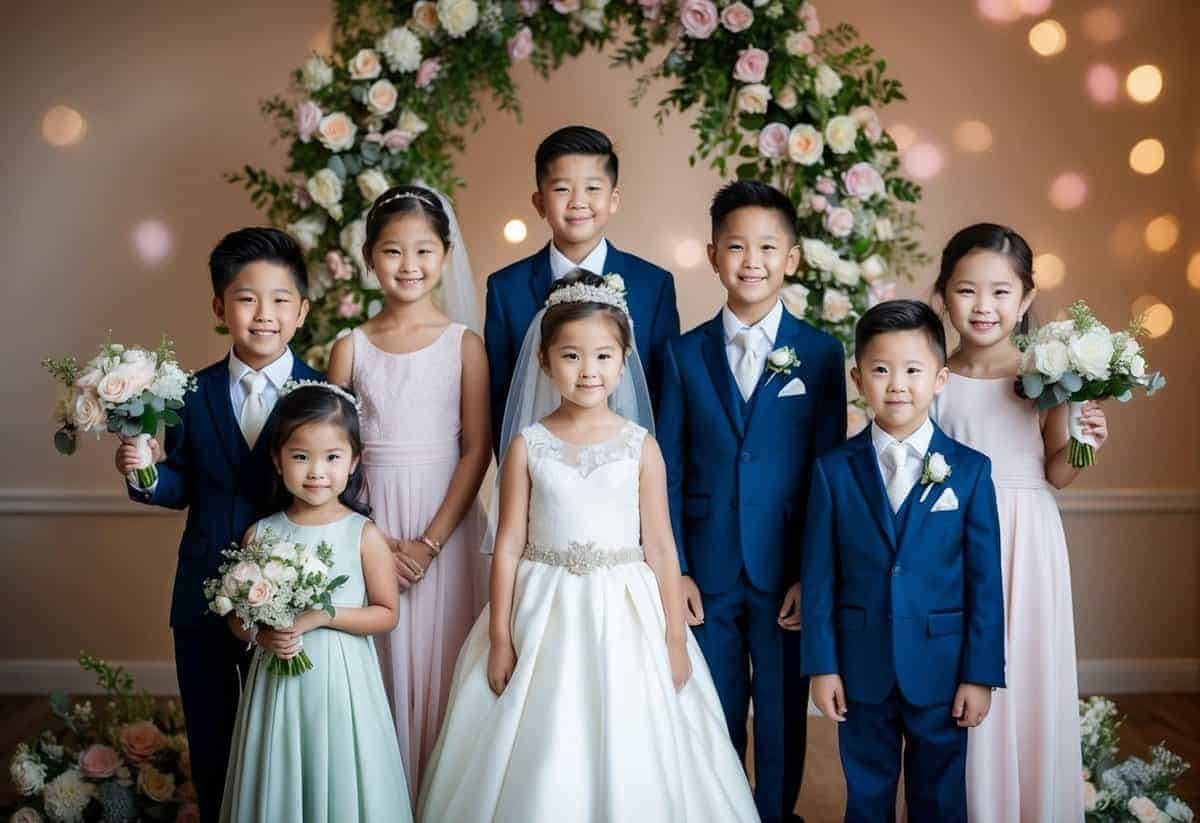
{"x":408,"y":571}
{"x":681,"y":664}
{"x":309,"y":620}
{"x":127,"y":459}
{"x":1094,"y":422}
{"x":829,"y":695}
{"x":502,"y":659}
{"x":693,"y":606}
{"x":283,"y":643}
{"x":789,"y":613}
{"x":971,"y":704}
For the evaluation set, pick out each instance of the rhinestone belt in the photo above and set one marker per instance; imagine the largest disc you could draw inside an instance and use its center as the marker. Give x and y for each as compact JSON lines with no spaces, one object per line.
{"x":582,"y":558}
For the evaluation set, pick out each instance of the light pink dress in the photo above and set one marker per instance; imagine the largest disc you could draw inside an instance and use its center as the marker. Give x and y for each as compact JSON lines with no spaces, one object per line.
{"x":411,"y":427}
{"x":1024,"y":762}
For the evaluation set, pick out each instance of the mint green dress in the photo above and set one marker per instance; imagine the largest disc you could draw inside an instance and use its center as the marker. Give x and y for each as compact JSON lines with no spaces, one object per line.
{"x":319,"y":747}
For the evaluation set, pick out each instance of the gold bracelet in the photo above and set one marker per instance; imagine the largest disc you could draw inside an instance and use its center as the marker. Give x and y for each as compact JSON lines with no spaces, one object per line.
{"x":433,"y":545}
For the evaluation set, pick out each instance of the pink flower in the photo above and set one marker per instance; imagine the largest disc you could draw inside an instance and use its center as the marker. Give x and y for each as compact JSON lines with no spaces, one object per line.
{"x":819,"y":203}
{"x":396,"y":140}
{"x":141,"y":740}
{"x":339,"y":269}
{"x":428,"y":72}
{"x":826,"y":186}
{"x":188,"y":813}
{"x":808,"y":13}
{"x":699,"y":18}
{"x":839,"y":222}
{"x":529,"y":8}
{"x":772,"y":140}
{"x":348,"y":306}
{"x":863,"y":180}
{"x":521,"y":45}
{"x":565,"y":6}
{"x":651,"y":9}
{"x":260,"y":593}
{"x":99,"y":761}
{"x":308,"y":117}
{"x":737,"y":18}
{"x":868,"y":121}
{"x":751,"y":66}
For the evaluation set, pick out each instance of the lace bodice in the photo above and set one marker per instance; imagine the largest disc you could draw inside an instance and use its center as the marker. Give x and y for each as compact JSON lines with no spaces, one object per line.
{"x":584,"y":494}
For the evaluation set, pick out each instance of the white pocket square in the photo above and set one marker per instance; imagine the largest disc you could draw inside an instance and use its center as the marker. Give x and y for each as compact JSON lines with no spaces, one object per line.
{"x":946,"y":502}
{"x":794,"y":387}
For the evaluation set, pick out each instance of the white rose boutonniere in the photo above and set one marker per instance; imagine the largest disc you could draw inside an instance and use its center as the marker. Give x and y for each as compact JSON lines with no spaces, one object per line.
{"x":936,"y":470}
{"x":781,"y":361}
{"x":615,"y":282}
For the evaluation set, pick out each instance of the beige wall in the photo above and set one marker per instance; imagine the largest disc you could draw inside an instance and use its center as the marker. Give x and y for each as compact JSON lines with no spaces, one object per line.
{"x":171,"y":93}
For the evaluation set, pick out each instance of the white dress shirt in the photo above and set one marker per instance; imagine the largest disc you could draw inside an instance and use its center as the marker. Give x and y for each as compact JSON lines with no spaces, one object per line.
{"x":917,"y":445}
{"x":277,"y":373}
{"x":762,"y":336}
{"x":561,"y":265}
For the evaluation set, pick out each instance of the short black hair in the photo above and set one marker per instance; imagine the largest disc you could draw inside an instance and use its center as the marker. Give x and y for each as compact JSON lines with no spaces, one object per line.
{"x":743,"y":193}
{"x":575,"y":140}
{"x":900,"y":315}
{"x":251,"y":245}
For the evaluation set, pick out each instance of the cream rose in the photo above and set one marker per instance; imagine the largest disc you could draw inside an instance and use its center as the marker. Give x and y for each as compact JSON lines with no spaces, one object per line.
{"x":818,"y":254}
{"x":458,"y":16}
{"x":278,"y":572}
{"x":402,"y":49}
{"x":827,"y":82}
{"x":325,"y":188}
{"x":89,"y":379}
{"x":365,"y":65}
{"x":411,"y":123}
{"x":799,"y":44}
{"x":351,"y":238}
{"x":795,"y":298}
{"x":247,"y":571}
{"x":425,"y":17}
{"x":839,"y":222}
{"x":787,"y":98}
{"x":222,"y":605}
{"x":753,"y":99}
{"x":884,"y":230}
{"x":1052,"y":359}
{"x":772,"y":140}
{"x":1090,"y":354}
{"x":868,"y":121}
{"x":1144,"y":810}
{"x":307,"y":231}
{"x":699,"y":18}
{"x":371,"y":183}
{"x":382,"y":97}
{"x":336,"y":131}
{"x":117,"y":386}
{"x":751,"y":66}
{"x":155,"y":785}
{"x":87,"y":413}
{"x":25,"y":815}
{"x":736,"y":18}
{"x":874,"y":268}
{"x":260,"y":593}
{"x":141,"y":740}
{"x":835,"y":307}
{"x":99,"y":761}
{"x":316,"y":74}
{"x":840,"y":133}
{"x":847,"y":272}
{"x":28,"y":775}
{"x":805,"y":145}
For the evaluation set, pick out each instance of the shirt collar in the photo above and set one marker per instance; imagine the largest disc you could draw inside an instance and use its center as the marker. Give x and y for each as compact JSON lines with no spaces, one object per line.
{"x":769,"y":325}
{"x":917,"y":442}
{"x":561,"y":265}
{"x":277,"y":372}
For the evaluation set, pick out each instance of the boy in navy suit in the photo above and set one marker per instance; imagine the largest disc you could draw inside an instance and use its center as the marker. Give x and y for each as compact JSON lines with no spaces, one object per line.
{"x":218,"y":468}
{"x":576,"y":174}
{"x":749,"y":400}
{"x":903,"y":610}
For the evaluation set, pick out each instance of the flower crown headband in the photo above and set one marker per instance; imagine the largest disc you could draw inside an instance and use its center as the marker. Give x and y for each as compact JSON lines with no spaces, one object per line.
{"x":612,"y":293}
{"x":291,"y":386}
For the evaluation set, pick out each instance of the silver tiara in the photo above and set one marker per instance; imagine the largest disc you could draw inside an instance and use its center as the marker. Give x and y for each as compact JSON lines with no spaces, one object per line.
{"x":291,"y":385}
{"x":612,"y":293}
{"x":403,"y":195}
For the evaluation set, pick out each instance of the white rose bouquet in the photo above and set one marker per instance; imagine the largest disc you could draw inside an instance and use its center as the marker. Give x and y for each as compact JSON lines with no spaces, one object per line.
{"x":1077,"y":360}
{"x":126,"y":390}
{"x":271,"y":581}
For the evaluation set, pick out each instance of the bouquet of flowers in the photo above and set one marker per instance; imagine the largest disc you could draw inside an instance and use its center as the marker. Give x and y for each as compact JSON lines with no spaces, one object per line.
{"x":128,"y":762}
{"x":126,"y":390}
{"x":1078,"y":359}
{"x":1132,"y":790}
{"x":271,"y":581}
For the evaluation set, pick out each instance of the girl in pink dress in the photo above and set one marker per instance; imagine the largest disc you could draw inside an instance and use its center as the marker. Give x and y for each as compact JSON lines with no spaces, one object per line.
{"x":1023,"y":764}
{"x":427,"y":445}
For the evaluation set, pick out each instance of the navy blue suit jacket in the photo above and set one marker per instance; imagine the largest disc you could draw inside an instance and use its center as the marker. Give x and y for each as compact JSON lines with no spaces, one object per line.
{"x":738,"y":486}
{"x":919,"y":607}
{"x":516,"y":293}
{"x":210,"y":471}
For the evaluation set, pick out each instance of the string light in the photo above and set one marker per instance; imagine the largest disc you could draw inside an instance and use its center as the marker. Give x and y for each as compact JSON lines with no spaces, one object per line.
{"x":1048,"y":38}
{"x":1144,"y":84}
{"x":1147,"y":156}
{"x":515,"y":231}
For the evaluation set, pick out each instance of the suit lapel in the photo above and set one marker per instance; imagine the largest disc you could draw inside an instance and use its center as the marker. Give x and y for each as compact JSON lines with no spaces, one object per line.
{"x":542,"y":278}
{"x":766,"y":392}
{"x":713,"y":350}
{"x":220,"y":407}
{"x":865,"y":466}
{"x":920,"y":509}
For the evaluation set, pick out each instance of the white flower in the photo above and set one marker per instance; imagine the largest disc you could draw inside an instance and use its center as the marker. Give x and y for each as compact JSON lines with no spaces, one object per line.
{"x":836,"y":306}
{"x":1051,"y":359}
{"x":336,"y":131}
{"x":1177,"y":810}
{"x":799,"y":44}
{"x":25,"y":814}
{"x":805,"y":145}
{"x":846,"y":272}
{"x":247,"y":571}
{"x":1091,"y":353}
{"x":402,"y":49}
{"x":781,"y":358}
{"x":325,"y":188}
{"x":458,"y":16}
{"x":1090,"y":796}
{"x":1137,"y":366}
{"x":411,"y":123}
{"x":592,"y":19}
{"x":615,"y":282}
{"x":795,"y":298}
{"x":67,"y":795}
{"x":787,"y":98}
{"x":27,"y":774}
{"x":1143,"y":810}
{"x":840,"y":133}
{"x":316,"y":73}
{"x":351,"y":239}
{"x":372,"y":183}
{"x":818,"y":254}
{"x":313,"y":565}
{"x":222,"y":605}
{"x":753,"y":98}
{"x":938,"y":468}
{"x":307,"y":231}
{"x":827,"y":82}
{"x":884,"y":230}
{"x":285,"y":550}
{"x":382,"y":97}
{"x":365,"y":65}
{"x":874,"y":268}
{"x":87,"y":413}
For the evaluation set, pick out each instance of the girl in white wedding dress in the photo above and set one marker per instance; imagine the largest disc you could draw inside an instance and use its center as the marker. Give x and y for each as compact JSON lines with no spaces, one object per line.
{"x":580,"y":694}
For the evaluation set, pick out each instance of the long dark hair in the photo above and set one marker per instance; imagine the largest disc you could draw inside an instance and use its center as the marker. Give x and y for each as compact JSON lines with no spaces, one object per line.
{"x":988,"y":237}
{"x":317,"y":404}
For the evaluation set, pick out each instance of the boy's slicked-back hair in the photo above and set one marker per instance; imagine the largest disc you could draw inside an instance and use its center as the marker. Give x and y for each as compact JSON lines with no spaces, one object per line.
{"x":896,"y":316}
{"x":252,"y":245}
{"x":575,"y":140}
{"x":741,"y":194}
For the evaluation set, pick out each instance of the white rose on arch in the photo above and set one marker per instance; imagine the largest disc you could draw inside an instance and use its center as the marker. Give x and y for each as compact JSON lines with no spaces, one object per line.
{"x":307,"y":231}
{"x":836,"y":306}
{"x":351,"y":239}
{"x":458,"y":16}
{"x":402,"y":49}
{"x":371,"y":184}
{"x":316,"y":74}
{"x":753,"y":99}
{"x":382,"y":97}
{"x":365,"y":65}
{"x":840,"y":133}
{"x":818,"y":254}
{"x":827,"y":82}
{"x":325,"y":189}
{"x":336,"y":131}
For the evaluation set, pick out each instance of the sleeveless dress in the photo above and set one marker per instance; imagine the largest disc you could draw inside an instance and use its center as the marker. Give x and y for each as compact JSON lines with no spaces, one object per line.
{"x":318,"y":746}
{"x":590,"y":727}
{"x":411,"y":428}
{"x":1024,"y":763}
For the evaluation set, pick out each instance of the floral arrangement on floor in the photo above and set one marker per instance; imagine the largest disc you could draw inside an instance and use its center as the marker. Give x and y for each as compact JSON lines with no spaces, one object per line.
{"x":128,"y":761}
{"x":1132,"y":790}
{"x":777,"y":98}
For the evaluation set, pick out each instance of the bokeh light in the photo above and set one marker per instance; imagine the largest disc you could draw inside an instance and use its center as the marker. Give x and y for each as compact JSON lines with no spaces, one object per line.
{"x":1147,"y":156}
{"x":973,"y":136}
{"x":63,"y":126}
{"x":1048,"y":271}
{"x":1103,"y":84}
{"x":1102,"y":25}
{"x":1162,"y":233}
{"x":689,"y":253}
{"x":1068,"y":191}
{"x":1193,"y":271}
{"x":1144,"y":84}
{"x":1048,"y":38}
{"x":151,"y":241}
{"x":999,"y":11}
{"x":1156,"y":316}
{"x":924,"y":161}
{"x":904,"y":136}
{"x":515,"y":231}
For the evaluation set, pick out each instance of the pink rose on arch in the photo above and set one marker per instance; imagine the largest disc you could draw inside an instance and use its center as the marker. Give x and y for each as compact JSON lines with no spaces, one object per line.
{"x":699,"y":18}
{"x":772,"y":140}
{"x":868,"y":121}
{"x":839,"y":222}
{"x":819,"y":203}
{"x":826,"y":186}
{"x":396,"y":140}
{"x":864,"y":181}
{"x":737,"y":18}
{"x":308,"y":117}
{"x":751,"y":66}
{"x":529,"y":8}
{"x":141,"y":740}
{"x":99,"y":762}
{"x":651,"y":9}
{"x":348,"y":307}
{"x":521,"y":45}
{"x":808,"y":13}
{"x":428,"y":72}
{"x":565,"y":6}
{"x":339,"y":269}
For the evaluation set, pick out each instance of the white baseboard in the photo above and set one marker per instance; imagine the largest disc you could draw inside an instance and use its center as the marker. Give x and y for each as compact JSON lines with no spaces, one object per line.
{"x":46,"y":676}
{"x":1134,"y":675}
